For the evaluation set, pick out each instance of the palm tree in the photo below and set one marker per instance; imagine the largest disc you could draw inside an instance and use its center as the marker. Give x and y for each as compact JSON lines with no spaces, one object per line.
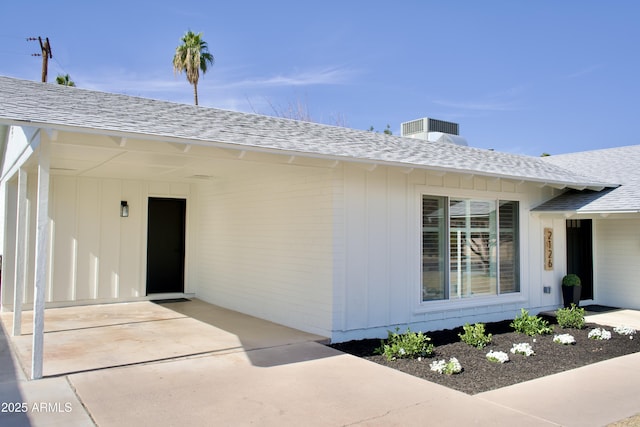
{"x":64,"y":80}
{"x":191,"y":57}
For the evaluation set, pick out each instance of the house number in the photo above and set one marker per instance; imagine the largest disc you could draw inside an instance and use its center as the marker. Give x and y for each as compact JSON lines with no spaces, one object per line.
{"x":548,"y":249}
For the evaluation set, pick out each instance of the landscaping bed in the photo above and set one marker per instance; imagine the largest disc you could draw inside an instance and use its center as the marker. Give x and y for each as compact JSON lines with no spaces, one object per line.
{"x":479,"y":374}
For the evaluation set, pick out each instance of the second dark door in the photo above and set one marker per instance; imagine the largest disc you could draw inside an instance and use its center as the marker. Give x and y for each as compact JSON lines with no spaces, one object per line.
{"x":165,"y":245}
{"x":580,"y":253}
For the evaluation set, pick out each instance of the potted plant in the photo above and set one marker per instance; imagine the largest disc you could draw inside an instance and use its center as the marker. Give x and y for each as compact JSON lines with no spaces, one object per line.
{"x":571,"y":290}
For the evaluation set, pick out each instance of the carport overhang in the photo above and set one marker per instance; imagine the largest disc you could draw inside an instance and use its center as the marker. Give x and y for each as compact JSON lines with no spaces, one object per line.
{"x":79,"y":152}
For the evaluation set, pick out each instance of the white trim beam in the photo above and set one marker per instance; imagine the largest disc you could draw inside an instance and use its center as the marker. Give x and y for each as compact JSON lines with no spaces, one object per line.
{"x":558,"y":186}
{"x":406,"y":171}
{"x":26,"y":153}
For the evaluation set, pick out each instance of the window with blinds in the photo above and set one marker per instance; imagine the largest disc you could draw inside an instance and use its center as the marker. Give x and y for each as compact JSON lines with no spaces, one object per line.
{"x":469,"y":248}
{"x":434,"y":248}
{"x":509,"y":247}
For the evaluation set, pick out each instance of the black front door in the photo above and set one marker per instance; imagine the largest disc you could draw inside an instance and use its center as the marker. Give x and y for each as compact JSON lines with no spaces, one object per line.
{"x":580,"y":253}
{"x":165,"y":245}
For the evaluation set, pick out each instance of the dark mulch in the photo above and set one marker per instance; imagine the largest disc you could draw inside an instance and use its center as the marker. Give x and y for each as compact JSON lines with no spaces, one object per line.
{"x":480,"y":375}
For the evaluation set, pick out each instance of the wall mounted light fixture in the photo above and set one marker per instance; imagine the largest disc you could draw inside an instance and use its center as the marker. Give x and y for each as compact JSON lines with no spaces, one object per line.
{"x":124,"y":209}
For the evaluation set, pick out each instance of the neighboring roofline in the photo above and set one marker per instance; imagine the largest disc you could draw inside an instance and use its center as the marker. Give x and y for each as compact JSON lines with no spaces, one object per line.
{"x":557,"y":184}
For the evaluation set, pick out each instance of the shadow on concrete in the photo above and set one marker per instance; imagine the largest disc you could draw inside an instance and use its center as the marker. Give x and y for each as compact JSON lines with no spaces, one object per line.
{"x":265,"y":343}
{"x":12,"y":409}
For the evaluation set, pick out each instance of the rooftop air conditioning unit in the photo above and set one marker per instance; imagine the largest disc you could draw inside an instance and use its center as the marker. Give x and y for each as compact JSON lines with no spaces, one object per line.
{"x":433,"y":130}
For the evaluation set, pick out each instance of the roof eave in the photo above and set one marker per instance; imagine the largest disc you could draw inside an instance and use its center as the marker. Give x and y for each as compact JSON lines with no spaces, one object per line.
{"x":557,"y":184}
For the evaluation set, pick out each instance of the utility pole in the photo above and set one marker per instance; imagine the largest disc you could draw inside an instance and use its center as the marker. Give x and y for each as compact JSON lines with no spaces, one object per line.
{"x":46,"y":55}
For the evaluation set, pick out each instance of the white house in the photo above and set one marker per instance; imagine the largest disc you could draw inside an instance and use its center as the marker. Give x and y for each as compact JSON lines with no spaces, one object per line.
{"x":339,"y":232}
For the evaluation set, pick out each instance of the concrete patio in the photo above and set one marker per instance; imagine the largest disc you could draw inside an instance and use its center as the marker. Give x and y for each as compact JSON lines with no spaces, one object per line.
{"x":192,"y":363}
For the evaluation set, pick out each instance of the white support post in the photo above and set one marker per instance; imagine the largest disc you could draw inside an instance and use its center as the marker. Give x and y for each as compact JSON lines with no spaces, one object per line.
{"x":42,"y":234}
{"x":20,"y":275}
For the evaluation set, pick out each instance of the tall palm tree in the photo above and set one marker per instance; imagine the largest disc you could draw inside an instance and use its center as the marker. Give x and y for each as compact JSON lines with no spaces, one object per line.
{"x":191,"y":57}
{"x":64,"y":80}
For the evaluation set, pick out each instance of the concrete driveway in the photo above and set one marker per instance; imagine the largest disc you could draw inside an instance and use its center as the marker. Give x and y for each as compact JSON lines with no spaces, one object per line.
{"x":194,"y":364}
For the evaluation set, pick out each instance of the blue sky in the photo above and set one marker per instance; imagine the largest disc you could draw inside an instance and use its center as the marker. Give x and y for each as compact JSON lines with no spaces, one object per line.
{"x":524,"y":77}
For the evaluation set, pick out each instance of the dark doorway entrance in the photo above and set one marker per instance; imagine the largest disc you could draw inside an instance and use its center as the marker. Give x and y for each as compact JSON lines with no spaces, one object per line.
{"x":580,"y":253}
{"x":165,"y":245}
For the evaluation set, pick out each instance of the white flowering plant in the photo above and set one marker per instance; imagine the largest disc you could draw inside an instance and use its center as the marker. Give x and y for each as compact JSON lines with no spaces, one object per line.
{"x":523,"y":348}
{"x":564,"y":339}
{"x":599,"y":334}
{"x":497,"y":356}
{"x":625,"y":330}
{"x":444,"y":367}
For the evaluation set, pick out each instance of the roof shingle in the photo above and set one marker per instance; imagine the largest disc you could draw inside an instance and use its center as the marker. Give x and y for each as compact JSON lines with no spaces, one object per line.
{"x":56,"y":106}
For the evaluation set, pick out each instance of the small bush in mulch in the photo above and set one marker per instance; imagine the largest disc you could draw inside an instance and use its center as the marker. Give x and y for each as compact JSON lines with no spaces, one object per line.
{"x":407,"y":345}
{"x":480,"y":374}
{"x":571,"y":317}
{"x":528,"y":324}
{"x":475,"y":335}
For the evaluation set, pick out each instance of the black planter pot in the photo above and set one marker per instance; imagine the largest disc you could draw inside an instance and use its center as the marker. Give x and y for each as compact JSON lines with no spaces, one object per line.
{"x":571,"y":294}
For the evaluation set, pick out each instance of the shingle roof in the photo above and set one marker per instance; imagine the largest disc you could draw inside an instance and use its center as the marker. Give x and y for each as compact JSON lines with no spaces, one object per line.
{"x":60,"y":107}
{"x":621,"y":165}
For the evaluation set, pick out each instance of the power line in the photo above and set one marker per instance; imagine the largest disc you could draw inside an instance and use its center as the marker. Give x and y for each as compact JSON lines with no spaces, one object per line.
{"x":60,"y":66}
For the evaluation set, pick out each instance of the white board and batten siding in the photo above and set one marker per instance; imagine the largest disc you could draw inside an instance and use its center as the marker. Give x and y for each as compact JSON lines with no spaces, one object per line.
{"x":382,"y":237}
{"x":376,"y":249}
{"x":97,"y":256}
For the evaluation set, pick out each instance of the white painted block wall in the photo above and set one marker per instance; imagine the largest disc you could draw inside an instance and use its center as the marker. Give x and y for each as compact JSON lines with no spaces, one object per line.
{"x":265,"y":245}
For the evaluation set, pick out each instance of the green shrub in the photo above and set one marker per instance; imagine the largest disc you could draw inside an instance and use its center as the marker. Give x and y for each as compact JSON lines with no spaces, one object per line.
{"x":409,"y":345}
{"x":530,"y":325}
{"x":571,"y":280}
{"x":475,"y":335}
{"x":571,"y":317}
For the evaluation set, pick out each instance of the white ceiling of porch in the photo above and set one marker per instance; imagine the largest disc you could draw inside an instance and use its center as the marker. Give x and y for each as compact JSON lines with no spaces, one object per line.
{"x":102,"y":156}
